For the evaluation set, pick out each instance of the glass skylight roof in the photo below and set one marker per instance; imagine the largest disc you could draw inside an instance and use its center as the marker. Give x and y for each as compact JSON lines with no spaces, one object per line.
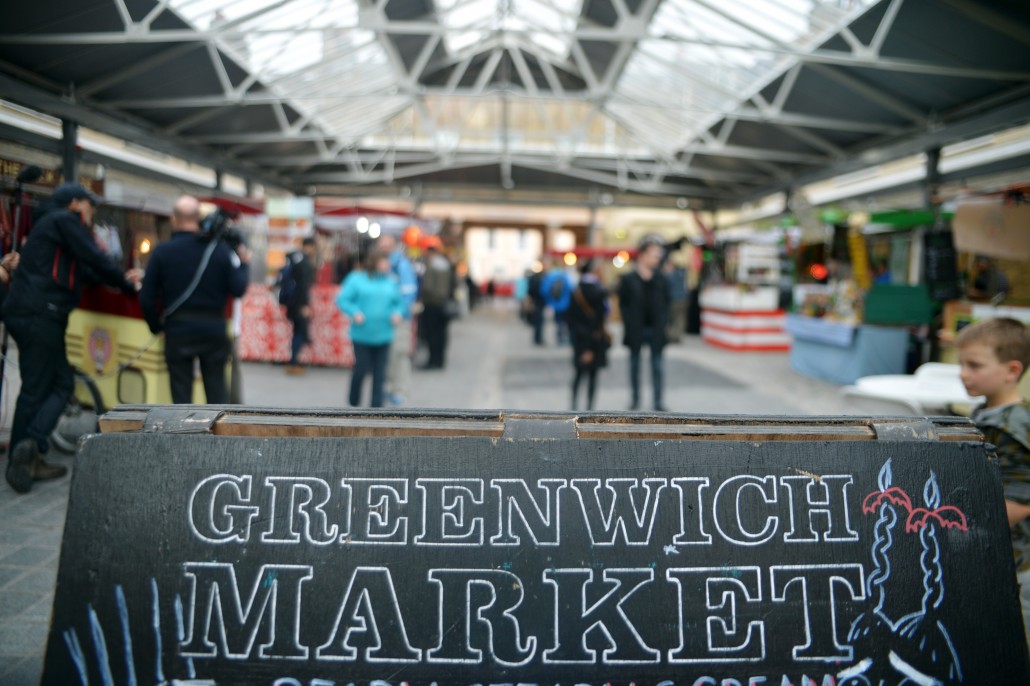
{"x":339,"y":67}
{"x":472,"y":21}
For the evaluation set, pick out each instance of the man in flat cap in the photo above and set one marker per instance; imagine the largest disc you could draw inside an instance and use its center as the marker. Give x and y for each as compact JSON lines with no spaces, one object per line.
{"x":57,"y":258}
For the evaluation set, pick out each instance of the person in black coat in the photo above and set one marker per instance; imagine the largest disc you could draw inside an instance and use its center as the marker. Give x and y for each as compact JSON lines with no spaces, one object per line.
{"x":586,"y":316}
{"x":57,"y":258}
{"x":644,"y":299}
{"x":197,"y":329}
{"x":298,"y":309}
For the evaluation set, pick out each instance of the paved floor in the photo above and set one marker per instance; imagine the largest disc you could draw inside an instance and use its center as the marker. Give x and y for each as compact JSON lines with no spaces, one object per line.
{"x":491,"y":364}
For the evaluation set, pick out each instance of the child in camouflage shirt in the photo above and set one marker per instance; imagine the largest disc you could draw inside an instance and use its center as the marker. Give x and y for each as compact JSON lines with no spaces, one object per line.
{"x":994,"y":354}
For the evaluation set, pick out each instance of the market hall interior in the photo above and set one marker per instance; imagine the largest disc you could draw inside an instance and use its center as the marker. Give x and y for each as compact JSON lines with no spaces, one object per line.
{"x":849,"y":179}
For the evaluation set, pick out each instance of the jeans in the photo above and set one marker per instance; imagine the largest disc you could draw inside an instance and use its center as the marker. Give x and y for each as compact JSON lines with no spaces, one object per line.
{"x":47,"y":381}
{"x":561,"y":327}
{"x":434,"y":321}
{"x":653,"y":341}
{"x":213,"y":353}
{"x":369,"y":358}
{"x":398,"y":370}
{"x":539,"y":309}
{"x":300,"y":338}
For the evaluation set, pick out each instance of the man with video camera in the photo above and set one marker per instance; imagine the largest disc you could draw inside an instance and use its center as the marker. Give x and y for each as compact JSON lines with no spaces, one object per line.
{"x":187,"y":286}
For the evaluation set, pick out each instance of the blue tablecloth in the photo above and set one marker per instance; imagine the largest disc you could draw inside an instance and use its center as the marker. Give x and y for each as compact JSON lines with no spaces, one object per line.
{"x":842,"y":353}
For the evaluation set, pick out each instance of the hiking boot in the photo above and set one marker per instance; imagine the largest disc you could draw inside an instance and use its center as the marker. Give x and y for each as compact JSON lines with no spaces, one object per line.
{"x":20,"y":463}
{"x":295,"y":370}
{"x":44,"y":471}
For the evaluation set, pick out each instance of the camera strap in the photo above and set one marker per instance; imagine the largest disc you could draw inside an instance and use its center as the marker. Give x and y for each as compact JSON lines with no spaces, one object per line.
{"x":201,"y":268}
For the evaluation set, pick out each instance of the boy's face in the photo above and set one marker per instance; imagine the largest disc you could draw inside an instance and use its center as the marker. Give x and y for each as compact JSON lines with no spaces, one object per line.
{"x":983,"y":373}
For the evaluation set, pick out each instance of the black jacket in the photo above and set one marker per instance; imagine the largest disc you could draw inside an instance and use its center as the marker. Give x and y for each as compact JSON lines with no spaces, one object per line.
{"x":303,"y":272}
{"x":58,"y":257}
{"x":586,"y":324}
{"x":633,"y":306}
{"x":170,"y":272}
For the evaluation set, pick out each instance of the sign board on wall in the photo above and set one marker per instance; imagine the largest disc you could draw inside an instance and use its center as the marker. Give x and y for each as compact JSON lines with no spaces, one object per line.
{"x":844,"y":560}
{"x":993,"y":228}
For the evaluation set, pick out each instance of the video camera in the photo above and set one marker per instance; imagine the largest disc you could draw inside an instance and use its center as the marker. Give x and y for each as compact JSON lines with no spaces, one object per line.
{"x":218,"y":226}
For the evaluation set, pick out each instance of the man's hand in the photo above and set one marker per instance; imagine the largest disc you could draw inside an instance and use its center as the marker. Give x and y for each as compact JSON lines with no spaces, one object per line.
{"x":305,"y":312}
{"x":244,"y":253}
{"x":10,"y":261}
{"x":135,"y":277}
{"x":359,"y":318}
{"x":396,"y":319}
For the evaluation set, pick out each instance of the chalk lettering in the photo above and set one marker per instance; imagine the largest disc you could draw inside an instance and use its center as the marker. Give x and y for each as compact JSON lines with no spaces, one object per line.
{"x":718,"y":588}
{"x":733,"y":511}
{"x":298,"y":511}
{"x":220,"y":623}
{"x":622,"y":513}
{"x":831,"y":508}
{"x":218,"y":509}
{"x":476,"y":617}
{"x":542,"y":525}
{"x":448,"y":512}
{"x":382,"y":501}
{"x":822,"y":627}
{"x":581,"y":618}
{"x":691,"y":509}
{"x":369,"y":622}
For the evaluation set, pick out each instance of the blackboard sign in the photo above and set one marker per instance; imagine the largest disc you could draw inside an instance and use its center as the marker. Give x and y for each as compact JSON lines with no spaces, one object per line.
{"x":941,"y":263}
{"x":844,"y":560}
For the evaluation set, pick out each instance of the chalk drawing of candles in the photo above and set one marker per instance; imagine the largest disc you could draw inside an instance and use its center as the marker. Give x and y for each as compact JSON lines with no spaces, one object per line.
{"x":885,"y":503}
{"x":927,"y":636}
{"x":872,"y":631}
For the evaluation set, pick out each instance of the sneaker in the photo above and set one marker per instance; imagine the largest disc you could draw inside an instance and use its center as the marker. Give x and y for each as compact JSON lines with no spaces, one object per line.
{"x":395,"y":399}
{"x":20,"y":463}
{"x":44,"y":471}
{"x":295,"y":370}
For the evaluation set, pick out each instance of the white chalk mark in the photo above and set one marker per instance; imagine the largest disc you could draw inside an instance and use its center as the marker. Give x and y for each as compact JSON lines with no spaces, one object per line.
{"x":123,"y":618}
{"x":71,"y":639}
{"x":671,"y":550}
{"x":100,"y":648}
{"x":861,"y":668}
{"x":911,"y":672}
{"x":155,"y":616}
{"x":181,"y":629}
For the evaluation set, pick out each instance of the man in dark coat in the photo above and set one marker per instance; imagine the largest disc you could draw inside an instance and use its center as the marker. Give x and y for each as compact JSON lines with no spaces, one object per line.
{"x":298,"y":309}
{"x":198,"y":328}
{"x":644,"y":299}
{"x":586,"y":319}
{"x":57,"y":257}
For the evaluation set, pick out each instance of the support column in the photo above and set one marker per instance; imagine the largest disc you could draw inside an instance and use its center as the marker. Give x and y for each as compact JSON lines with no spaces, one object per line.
{"x":218,"y":179}
{"x":593,"y":230}
{"x":933,"y":179}
{"x":69,"y":150}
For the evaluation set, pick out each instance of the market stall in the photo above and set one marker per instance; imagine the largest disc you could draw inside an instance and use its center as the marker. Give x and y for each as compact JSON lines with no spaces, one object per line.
{"x":745,"y":313}
{"x":868,"y":308}
{"x":343,"y":233}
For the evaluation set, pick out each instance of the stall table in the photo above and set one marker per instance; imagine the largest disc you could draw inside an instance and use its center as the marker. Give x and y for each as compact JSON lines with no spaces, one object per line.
{"x":739,"y":319}
{"x":842,"y":353}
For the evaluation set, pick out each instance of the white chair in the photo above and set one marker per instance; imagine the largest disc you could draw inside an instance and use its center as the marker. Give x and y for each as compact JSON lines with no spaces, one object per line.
{"x":857,"y":401}
{"x":938,"y":370}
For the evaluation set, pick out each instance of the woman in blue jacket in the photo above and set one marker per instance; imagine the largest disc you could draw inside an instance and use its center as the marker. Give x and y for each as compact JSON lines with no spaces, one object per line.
{"x":372,"y":301}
